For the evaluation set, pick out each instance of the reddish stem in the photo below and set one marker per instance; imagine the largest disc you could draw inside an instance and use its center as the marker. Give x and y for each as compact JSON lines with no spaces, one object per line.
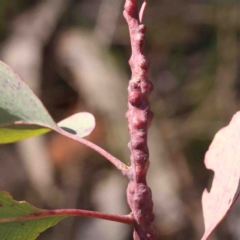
{"x":116,"y":162}
{"x":139,"y":119}
{"x":127,"y":219}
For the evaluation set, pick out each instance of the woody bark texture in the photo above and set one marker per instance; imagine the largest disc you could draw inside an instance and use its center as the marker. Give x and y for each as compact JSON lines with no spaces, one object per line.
{"x":139,"y":119}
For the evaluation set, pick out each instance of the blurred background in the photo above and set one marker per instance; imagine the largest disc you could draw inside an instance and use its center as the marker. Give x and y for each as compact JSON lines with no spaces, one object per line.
{"x":73,"y":54}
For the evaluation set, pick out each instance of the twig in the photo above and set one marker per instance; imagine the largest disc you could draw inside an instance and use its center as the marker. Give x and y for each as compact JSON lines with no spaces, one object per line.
{"x":139,"y":119}
{"x":116,"y":162}
{"x":127,"y":219}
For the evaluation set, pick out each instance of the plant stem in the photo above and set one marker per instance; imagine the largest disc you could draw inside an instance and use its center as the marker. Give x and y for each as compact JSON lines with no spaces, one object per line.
{"x":127,"y":219}
{"x":116,"y":162}
{"x":139,"y":119}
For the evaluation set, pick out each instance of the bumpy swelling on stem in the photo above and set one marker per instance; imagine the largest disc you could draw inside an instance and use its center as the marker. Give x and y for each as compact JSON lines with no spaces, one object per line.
{"x":139,"y":119}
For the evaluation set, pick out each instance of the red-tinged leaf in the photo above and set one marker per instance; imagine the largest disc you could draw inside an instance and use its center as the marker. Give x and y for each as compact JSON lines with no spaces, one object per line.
{"x":223,"y":157}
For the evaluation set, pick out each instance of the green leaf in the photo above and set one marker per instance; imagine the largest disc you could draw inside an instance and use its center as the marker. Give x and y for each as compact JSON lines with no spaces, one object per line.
{"x":22,"y":114}
{"x":21,"y":221}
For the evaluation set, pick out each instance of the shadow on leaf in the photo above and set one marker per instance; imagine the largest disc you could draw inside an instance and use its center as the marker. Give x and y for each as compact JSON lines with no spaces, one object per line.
{"x":69,"y":130}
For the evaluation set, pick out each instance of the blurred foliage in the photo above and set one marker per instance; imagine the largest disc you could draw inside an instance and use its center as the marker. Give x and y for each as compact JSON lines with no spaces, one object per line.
{"x":9,"y":9}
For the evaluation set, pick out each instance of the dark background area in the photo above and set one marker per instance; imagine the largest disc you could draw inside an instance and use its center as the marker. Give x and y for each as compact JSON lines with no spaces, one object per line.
{"x":73,"y":54}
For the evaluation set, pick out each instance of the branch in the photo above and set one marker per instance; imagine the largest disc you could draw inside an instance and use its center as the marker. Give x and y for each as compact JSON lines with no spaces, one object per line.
{"x":139,"y":120}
